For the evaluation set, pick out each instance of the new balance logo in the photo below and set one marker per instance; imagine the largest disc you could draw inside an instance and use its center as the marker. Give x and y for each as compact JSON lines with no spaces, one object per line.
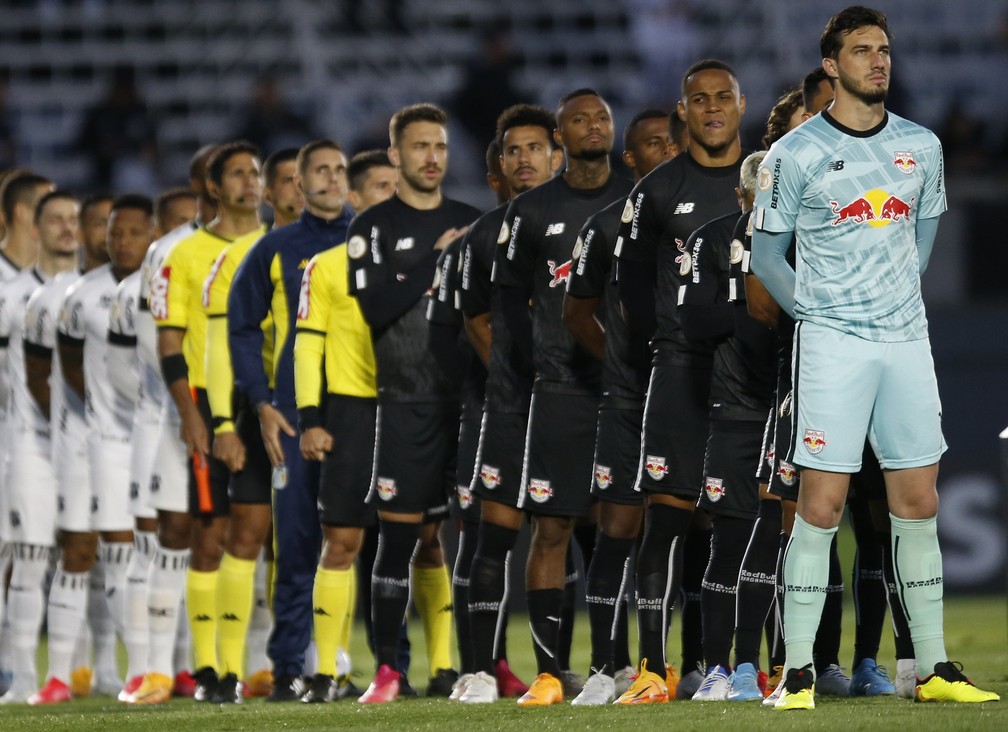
{"x":683,"y":208}
{"x":405,"y":243}
{"x":834,"y":166}
{"x":555,"y":229}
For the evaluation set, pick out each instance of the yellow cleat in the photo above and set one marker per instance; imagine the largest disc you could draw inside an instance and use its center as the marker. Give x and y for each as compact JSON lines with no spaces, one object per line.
{"x":948,"y":684}
{"x":80,"y":682}
{"x":647,"y":688}
{"x":154,"y":689}
{"x":671,"y":676}
{"x":798,"y":690}
{"x":545,"y":691}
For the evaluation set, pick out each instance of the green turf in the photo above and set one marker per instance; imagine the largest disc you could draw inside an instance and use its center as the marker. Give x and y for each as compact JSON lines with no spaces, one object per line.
{"x":976,"y":634}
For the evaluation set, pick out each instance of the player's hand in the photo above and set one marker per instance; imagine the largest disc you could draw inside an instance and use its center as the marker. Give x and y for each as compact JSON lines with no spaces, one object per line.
{"x":194,"y":433}
{"x":230,"y":450}
{"x":448,"y":237}
{"x":272,"y":423}
{"x":316,"y":443}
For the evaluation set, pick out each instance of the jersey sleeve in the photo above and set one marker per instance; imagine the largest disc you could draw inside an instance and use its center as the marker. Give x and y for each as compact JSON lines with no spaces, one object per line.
{"x":71,"y":325}
{"x":640,"y":226}
{"x":933,"y":193}
{"x":314,"y":308}
{"x":515,"y":258}
{"x":169,"y":295}
{"x":248,"y":303}
{"x":120,"y":357}
{"x":40,"y":330}
{"x":590,"y":276}
{"x":704,"y":282}
{"x":779,"y":186}
{"x":444,"y":307}
{"x":475,"y":291}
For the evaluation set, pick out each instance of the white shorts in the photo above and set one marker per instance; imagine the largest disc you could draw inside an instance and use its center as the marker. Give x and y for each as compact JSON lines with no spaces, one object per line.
{"x":144,"y":443}
{"x":31,"y":494}
{"x":169,"y":486}
{"x":4,"y":450}
{"x":847,"y":388}
{"x":110,"y":484}
{"x":73,"y":478}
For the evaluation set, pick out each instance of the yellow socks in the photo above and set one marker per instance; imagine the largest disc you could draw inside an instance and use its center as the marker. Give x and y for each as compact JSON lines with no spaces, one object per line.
{"x":201,"y":604}
{"x":235,"y":590}
{"x":330,"y":603}
{"x":433,"y":600}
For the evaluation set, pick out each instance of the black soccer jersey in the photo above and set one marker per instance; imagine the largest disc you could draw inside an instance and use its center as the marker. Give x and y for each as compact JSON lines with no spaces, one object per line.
{"x":785,"y":323}
{"x":625,"y":368}
{"x":743,"y":376}
{"x":509,"y":377}
{"x":541,"y":227}
{"x":666,"y":206}
{"x":392,"y":260}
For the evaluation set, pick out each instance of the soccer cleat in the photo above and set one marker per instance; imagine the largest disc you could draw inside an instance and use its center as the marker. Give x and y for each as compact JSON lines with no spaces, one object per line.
{"x":481,"y":689}
{"x":545,"y":690}
{"x":384,"y":688}
{"x":870,"y":679}
{"x":647,"y":688}
{"x":14,"y":695}
{"x":832,"y":681}
{"x":324,"y":689}
{"x":798,"y":690}
{"x":228,"y":690}
{"x":105,"y":684}
{"x":406,"y":688}
{"x":624,"y":677}
{"x":287,"y":688}
{"x":259,"y":684}
{"x":571,"y":682}
{"x":774,"y":695}
{"x":184,"y":685}
{"x":773,"y":680}
{"x":509,"y":686}
{"x":715,"y":685}
{"x":761,"y":682}
{"x":671,"y":676}
{"x":906,"y":678}
{"x":689,"y":684}
{"x":154,"y":689}
{"x":948,"y":684}
{"x":744,"y":684}
{"x":347,"y":688}
{"x":206,"y":684}
{"x":459,"y":687}
{"x":80,"y":682}
{"x":442,"y":682}
{"x":599,"y":689}
{"x":54,"y":692}
{"x":125,"y":695}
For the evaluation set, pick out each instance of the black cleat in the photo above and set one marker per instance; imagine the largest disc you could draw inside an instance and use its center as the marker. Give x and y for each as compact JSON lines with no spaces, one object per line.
{"x":406,"y":689}
{"x":229,"y":690}
{"x":324,"y":689}
{"x":442,"y":682}
{"x":287,"y":688}
{"x":206,"y":684}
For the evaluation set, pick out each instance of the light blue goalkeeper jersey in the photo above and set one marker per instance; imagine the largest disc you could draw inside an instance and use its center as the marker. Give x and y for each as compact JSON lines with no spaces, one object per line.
{"x":853,"y":199}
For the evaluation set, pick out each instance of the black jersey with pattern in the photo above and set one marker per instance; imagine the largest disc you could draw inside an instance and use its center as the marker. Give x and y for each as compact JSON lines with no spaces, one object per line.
{"x":665,"y":207}
{"x":391,"y":258}
{"x":541,"y":228}
{"x":626,"y":366}
{"x":744,"y":372}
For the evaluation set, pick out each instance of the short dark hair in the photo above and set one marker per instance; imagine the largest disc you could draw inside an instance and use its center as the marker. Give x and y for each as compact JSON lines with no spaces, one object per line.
{"x":706,"y":64}
{"x":198,"y":162}
{"x":135,"y":201}
{"x":218,"y":159}
{"x":847,"y":21}
{"x":423,"y":112}
{"x":777,"y":123}
{"x":493,"y":156}
{"x":647,"y":114}
{"x":274,"y":161}
{"x":166,"y":198}
{"x":18,"y":188}
{"x":524,"y":115}
{"x":92,"y":199}
{"x":811,"y":83}
{"x":310,"y":148}
{"x":56,"y":195}
{"x":362,"y":163}
{"x":585,"y":91}
{"x":678,"y":132}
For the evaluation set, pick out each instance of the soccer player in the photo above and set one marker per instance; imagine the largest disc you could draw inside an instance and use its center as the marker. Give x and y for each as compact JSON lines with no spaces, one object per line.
{"x":591,"y":312}
{"x":30,"y":482}
{"x":661,"y":213}
{"x":392,"y":253}
{"x":172,"y":209}
{"x":269,"y":282}
{"x":862,"y":190}
{"x":540,"y":231}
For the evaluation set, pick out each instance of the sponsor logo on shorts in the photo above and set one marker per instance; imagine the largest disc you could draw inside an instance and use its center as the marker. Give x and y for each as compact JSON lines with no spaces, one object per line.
{"x":465,"y":498}
{"x":490,"y":476}
{"x":655,"y":467}
{"x":814,"y":441}
{"x":715,"y":489}
{"x":540,"y":490}
{"x":15,"y":519}
{"x":787,"y":473}
{"x":603,"y":477}
{"x":387,"y":489}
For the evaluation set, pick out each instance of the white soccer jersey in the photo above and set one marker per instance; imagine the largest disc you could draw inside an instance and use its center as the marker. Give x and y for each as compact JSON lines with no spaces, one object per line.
{"x":8,"y":271}
{"x":25,"y":416}
{"x":123,"y":365}
{"x":84,"y":319}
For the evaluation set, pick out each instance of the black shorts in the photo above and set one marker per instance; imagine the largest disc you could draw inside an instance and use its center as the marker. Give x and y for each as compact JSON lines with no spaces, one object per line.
{"x":415,"y":453}
{"x":213,"y":499}
{"x":345,"y":474}
{"x":676,"y":425}
{"x":868,"y":483}
{"x":559,"y":452}
{"x":785,"y":477}
{"x":764,"y":466}
{"x":254,"y":483}
{"x":464,"y":505}
{"x":617,"y":455}
{"x":730,"y":487}
{"x":499,"y":457}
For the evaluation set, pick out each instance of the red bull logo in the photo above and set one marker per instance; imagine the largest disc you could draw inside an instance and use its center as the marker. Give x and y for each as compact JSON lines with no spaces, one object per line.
{"x":540,"y":490}
{"x":559,"y":272}
{"x":876,"y":208}
{"x":490,"y":476}
{"x":386,"y":488}
{"x":655,"y":467}
{"x":786,"y":473}
{"x":684,"y":260}
{"x":715,"y":489}
{"x":770,"y":456}
{"x":904,"y":162}
{"x":814,"y":441}
{"x":603,"y":477}
{"x":465,"y":498}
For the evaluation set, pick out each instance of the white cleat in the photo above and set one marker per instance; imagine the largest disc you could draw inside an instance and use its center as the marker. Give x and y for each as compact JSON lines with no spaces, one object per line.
{"x":459,"y":687}
{"x":772,"y":699}
{"x":481,"y":689}
{"x":906,"y":678}
{"x":715,"y":686}
{"x":599,"y":689}
{"x":623,"y":679}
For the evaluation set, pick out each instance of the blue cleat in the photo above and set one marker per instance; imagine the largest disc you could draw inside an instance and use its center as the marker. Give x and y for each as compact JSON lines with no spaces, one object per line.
{"x":870,"y":679}
{"x":744,"y":684}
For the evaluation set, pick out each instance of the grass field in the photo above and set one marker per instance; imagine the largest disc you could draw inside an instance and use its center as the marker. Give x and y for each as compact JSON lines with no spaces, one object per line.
{"x":976,"y":634}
